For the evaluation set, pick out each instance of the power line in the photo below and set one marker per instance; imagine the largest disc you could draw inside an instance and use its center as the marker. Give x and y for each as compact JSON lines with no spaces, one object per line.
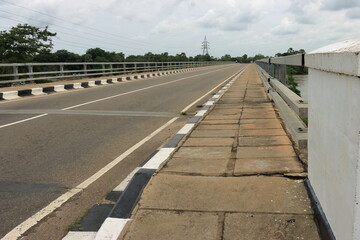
{"x":76,"y":24}
{"x":122,"y":46}
{"x":80,"y":46}
{"x":205,"y":47}
{"x":78,"y":36}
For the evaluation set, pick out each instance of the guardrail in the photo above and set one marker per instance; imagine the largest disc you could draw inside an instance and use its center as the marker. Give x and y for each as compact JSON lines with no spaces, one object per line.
{"x":333,"y":134}
{"x":26,"y":72}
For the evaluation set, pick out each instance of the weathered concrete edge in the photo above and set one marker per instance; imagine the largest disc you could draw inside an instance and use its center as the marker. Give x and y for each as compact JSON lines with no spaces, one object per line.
{"x":10,"y":95}
{"x":320,"y":217}
{"x":183,"y":132}
{"x":297,"y":103}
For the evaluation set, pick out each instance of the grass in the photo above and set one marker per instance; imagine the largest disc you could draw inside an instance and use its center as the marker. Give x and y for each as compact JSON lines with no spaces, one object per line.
{"x":305,"y":120}
{"x":184,"y":113}
{"x":77,"y":223}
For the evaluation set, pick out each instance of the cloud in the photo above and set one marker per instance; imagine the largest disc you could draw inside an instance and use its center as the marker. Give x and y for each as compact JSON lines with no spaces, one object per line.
{"x":287,"y":27}
{"x":336,"y":5}
{"x":228,"y":19}
{"x":353,"y":13}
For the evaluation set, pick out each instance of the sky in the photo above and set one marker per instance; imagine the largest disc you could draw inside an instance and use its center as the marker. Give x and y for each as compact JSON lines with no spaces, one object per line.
{"x":234,"y":27}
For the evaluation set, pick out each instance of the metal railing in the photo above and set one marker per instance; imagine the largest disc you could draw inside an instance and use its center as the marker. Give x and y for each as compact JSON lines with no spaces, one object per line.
{"x":276,"y":67}
{"x":28,"y":72}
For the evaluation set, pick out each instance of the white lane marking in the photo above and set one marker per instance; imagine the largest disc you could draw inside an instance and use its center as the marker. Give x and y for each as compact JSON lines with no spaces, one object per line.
{"x":33,"y":220}
{"x":72,"y":235}
{"x":186,"y":128}
{"x":24,"y":120}
{"x":194,"y":102}
{"x":121,"y":187}
{"x":111,"y":228}
{"x":118,"y":95}
{"x":158,"y":158}
{"x":141,"y":89}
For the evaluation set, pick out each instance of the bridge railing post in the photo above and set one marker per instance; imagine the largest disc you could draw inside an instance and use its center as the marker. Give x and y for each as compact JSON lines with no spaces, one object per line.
{"x":334,"y":134}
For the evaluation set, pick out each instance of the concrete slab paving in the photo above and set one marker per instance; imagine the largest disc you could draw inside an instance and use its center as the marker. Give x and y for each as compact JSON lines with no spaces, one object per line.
{"x":231,"y":101}
{"x":226,"y":194}
{"x":258,"y":115}
{"x":157,"y":225}
{"x":208,"y":142}
{"x":204,"y":152}
{"x":208,"y":190}
{"x":226,"y":111}
{"x":265,"y":152}
{"x":213,"y":133}
{"x":262,"y":132}
{"x":267,"y":166}
{"x":222,"y":117}
{"x":260,"y":126}
{"x":264,"y":141}
{"x":215,"y":121}
{"x":217,"y":127}
{"x":246,"y":226}
{"x":200,"y":166}
{"x":259,"y":121}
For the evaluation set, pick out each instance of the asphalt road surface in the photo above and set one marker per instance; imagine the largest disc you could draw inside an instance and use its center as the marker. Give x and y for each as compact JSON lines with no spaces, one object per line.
{"x":67,"y":137}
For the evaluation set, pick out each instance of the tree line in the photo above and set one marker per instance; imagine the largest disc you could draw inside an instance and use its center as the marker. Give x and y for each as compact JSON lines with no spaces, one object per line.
{"x":26,"y":43}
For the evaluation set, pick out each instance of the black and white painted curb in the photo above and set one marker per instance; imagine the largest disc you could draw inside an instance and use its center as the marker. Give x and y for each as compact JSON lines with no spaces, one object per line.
{"x":133,"y":185}
{"x":10,"y":95}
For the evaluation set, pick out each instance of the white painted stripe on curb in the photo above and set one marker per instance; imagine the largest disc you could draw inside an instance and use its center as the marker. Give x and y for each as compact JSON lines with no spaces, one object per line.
{"x":158,"y":158}
{"x":77,"y":85}
{"x":37,"y":91}
{"x":103,"y":81}
{"x":91,"y":83}
{"x":186,"y":128}
{"x":111,"y":228}
{"x":10,"y":95}
{"x":121,"y":187}
{"x":216,"y":95}
{"x":33,"y":220}
{"x":201,"y":113}
{"x":209,"y":103}
{"x":59,"y":88}
{"x":72,"y":235}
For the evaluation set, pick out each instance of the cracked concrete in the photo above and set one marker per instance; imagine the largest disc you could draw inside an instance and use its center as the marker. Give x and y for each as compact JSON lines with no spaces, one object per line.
{"x":230,"y":178}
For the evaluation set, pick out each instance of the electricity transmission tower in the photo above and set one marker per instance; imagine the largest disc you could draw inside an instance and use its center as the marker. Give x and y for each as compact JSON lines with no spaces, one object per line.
{"x":205,"y":47}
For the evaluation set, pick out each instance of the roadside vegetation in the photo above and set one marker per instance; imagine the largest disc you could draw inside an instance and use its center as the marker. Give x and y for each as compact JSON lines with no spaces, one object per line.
{"x":26,"y":43}
{"x":293,"y":70}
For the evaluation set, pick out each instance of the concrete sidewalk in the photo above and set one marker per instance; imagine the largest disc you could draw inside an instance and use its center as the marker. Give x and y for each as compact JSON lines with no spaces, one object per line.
{"x":231,"y":178}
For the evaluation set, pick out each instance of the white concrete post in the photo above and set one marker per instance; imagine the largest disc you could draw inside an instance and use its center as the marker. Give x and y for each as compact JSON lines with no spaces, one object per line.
{"x":334,"y":134}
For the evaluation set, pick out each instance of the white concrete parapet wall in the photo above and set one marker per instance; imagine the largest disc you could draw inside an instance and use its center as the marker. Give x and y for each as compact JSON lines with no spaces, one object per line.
{"x":334,"y":134}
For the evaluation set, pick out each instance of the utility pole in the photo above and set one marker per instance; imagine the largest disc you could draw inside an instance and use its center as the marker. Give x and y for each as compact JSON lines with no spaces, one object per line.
{"x":205,"y":47}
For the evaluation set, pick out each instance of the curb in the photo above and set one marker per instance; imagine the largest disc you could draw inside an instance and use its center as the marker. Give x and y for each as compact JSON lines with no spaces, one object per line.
{"x":132,"y":186}
{"x":10,"y":95}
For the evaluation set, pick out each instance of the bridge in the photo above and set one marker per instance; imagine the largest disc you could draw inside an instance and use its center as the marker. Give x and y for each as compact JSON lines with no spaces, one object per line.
{"x":69,"y":146}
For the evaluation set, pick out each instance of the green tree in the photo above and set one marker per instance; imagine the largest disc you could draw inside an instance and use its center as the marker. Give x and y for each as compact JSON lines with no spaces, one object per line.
{"x":226,"y":57}
{"x":23,"y":42}
{"x":66,"y":56}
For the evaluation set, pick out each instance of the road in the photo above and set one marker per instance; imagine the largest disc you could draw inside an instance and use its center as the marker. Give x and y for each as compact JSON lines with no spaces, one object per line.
{"x":67,"y":137}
